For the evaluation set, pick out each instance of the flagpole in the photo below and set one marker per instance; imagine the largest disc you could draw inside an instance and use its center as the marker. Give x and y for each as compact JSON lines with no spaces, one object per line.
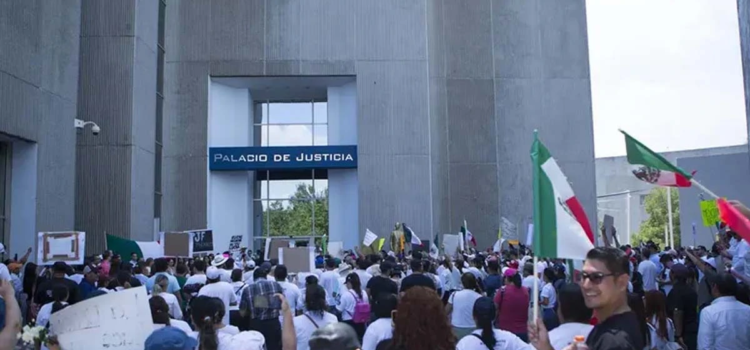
{"x":703,"y":188}
{"x":669,"y":211}
{"x":535,"y":292}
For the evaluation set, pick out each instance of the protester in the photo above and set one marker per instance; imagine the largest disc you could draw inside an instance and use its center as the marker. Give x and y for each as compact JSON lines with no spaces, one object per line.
{"x":355,"y":305}
{"x":315,"y":315}
{"x":461,"y":305}
{"x":420,"y":323}
{"x":724,"y":323}
{"x":548,"y":299}
{"x":573,"y":314}
{"x":290,"y":290}
{"x":161,"y":318}
{"x":238,"y":286}
{"x":60,"y":296}
{"x":44,"y":290}
{"x":487,"y":337}
{"x":204,"y":306}
{"x":261,"y":304}
{"x":160,"y":289}
{"x":170,"y":338}
{"x":648,"y":271}
{"x":660,"y":326}
{"x":382,"y":328}
{"x":88,"y":284}
{"x":361,"y":271}
{"x":512,"y":303}
{"x":382,"y":284}
{"x":493,"y":282}
{"x":329,"y":280}
{"x":682,"y":303}
{"x":160,"y":269}
{"x":635,"y":303}
{"x":417,"y":278}
{"x":207,"y":315}
{"x":215,"y":287}
{"x":665,"y":283}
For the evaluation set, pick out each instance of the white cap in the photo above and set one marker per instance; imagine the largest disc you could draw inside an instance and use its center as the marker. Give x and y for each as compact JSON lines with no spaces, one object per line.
{"x":213,"y":273}
{"x":248,"y":340}
{"x":250,"y":264}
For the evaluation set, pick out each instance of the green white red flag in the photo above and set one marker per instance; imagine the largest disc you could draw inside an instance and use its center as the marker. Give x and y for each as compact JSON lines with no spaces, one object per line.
{"x":651,"y":167}
{"x":561,"y":228}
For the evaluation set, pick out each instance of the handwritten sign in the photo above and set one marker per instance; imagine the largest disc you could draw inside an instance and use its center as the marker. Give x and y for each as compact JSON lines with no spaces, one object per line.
{"x":60,"y":246}
{"x":119,"y":321}
{"x":709,"y":213}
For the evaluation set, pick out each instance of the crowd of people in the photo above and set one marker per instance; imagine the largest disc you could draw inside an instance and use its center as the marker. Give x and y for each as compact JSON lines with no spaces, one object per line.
{"x":642,"y":297}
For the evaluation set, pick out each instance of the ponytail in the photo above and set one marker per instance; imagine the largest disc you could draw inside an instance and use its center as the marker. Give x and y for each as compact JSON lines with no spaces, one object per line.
{"x":57,"y":306}
{"x":207,"y":339}
{"x":207,"y":312}
{"x":159,"y":310}
{"x":516,"y":279}
{"x":488,"y":334}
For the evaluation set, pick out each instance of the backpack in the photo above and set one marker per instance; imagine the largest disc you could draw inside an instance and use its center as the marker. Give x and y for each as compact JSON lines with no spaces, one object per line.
{"x":361,"y":310}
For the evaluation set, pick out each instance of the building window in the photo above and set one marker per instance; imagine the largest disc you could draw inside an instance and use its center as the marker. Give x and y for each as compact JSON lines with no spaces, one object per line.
{"x":158,"y":142}
{"x":4,"y":189}
{"x":294,"y":203}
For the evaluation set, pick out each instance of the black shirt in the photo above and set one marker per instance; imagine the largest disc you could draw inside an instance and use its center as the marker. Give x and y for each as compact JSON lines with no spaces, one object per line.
{"x":381,"y":285}
{"x":618,"y":332}
{"x":44,"y":291}
{"x":417,"y":280}
{"x":683,"y":297}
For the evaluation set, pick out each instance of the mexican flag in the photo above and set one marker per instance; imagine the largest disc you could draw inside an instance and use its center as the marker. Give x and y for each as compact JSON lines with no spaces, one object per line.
{"x":124,"y":247}
{"x":652,"y":167}
{"x":468,"y":237}
{"x":411,"y":236}
{"x":561,"y":227}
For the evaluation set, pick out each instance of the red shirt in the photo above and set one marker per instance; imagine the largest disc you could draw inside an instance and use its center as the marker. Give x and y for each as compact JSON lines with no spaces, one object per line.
{"x":513,"y":310}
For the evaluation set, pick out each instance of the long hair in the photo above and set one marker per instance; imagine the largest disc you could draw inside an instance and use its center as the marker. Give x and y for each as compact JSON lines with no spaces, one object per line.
{"x":29,"y":279}
{"x":159,"y":310}
{"x":515,"y":279}
{"x":430,"y":331}
{"x":469,"y":281}
{"x":656,"y":307}
{"x":353,"y":279}
{"x":59,"y":295}
{"x":635,"y":302}
{"x":206,"y":313}
{"x":484,"y":314}
{"x":160,"y":284}
{"x":315,"y":299}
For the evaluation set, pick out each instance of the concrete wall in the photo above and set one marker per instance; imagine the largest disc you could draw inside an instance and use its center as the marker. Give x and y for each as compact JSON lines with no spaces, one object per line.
{"x":726,"y":175}
{"x":39,"y":42}
{"x":447,"y":98}
{"x":743,"y":12}
{"x":115,"y":170}
{"x":614,"y":175}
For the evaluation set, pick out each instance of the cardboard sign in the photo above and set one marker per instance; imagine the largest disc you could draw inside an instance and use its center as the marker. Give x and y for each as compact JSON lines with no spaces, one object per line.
{"x":709,"y":213}
{"x":203,"y":241}
{"x":61,"y":246}
{"x":451,"y":243}
{"x":297,"y":260}
{"x":120,"y":321}
{"x":177,"y":244}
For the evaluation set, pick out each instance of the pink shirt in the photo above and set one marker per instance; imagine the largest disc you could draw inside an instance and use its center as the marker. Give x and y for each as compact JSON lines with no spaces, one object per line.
{"x":513,"y":310}
{"x":105,"y":267}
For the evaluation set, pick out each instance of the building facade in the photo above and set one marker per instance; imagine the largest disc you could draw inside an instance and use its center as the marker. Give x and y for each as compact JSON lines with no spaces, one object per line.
{"x":440,"y":100}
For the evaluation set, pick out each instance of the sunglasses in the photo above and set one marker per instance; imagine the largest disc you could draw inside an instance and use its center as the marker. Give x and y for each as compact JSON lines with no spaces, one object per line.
{"x":596,"y":277}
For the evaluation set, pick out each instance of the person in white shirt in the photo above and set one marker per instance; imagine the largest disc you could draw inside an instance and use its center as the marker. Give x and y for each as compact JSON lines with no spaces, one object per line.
{"x":664,"y":280}
{"x":461,"y":304}
{"x":160,"y":289}
{"x":574,"y":317}
{"x":238,"y":286}
{"x":355,"y":294}
{"x":207,"y":314}
{"x":217,"y":288}
{"x":724,"y":323}
{"x":364,"y":277}
{"x":60,"y":296}
{"x":659,"y":325}
{"x":291,"y":291}
{"x":548,"y":299}
{"x":199,"y":273}
{"x":485,"y":337}
{"x":329,"y":280}
{"x":247,"y":275}
{"x":160,"y":316}
{"x":314,"y":317}
{"x":382,"y":328}
{"x":648,"y":271}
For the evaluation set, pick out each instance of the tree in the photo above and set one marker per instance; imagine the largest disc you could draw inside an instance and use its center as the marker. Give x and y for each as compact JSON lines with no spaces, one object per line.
{"x":296,"y":218}
{"x":653,"y":228}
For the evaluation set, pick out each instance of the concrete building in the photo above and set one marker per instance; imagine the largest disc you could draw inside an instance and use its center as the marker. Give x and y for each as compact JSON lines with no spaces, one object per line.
{"x":436,"y":102}
{"x":621,"y":195}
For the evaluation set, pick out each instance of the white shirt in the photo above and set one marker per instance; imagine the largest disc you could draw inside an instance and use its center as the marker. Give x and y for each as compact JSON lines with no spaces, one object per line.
{"x":305,"y":328}
{"x":223,"y":291}
{"x":329,"y":280}
{"x":724,"y":325}
{"x":45,"y":312}
{"x":4,"y":273}
{"x":540,"y":266}
{"x":373,"y":270}
{"x":226,"y":275}
{"x":475,"y":271}
{"x":381,"y":329}
{"x":658,"y":342}
{"x":196,"y":279}
{"x":463,"y":307}
{"x":248,"y":340}
{"x":564,"y":334}
{"x":528,"y":282}
{"x":292,"y":295}
{"x":238,"y":288}
{"x":548,"y":291}
{"x":181,"y":325}
{"x":248,"y":276}
{"x":77,"y":278}
{"x":364,"y":277}
{"x":667,"y":287}
{"x":348,"y":302}
{"x":648,"y":271}
{"x":505,"y":341}
{"x":174,"y":307}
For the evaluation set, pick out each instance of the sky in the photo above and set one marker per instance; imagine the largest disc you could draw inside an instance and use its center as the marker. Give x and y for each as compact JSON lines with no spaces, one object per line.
{"x":667,"y":72}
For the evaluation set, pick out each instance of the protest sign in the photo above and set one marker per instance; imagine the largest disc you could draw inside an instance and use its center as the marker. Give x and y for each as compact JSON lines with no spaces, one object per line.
{"x":451,"y":243}
{"x":369,"y":238}
{"x":509,"y":231}
{"x":274,"y":246}
{"x":297,"y":260}
{"x":120,"y":321}
{"x":234,"y":243}
{"x":530,"y":235}
{"x":61,"y":246}
{"x":335,"y":248}
{"x":177,"y":244}
{"x":608,"y":224}
{"x":709,"y":213}
{"x":203,"y":240}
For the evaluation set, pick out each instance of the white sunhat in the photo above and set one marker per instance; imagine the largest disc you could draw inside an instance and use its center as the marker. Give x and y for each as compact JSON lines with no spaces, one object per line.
{"x":219,"y":260}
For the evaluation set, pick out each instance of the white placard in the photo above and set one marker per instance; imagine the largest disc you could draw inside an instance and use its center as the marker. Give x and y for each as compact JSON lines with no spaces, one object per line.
{"x":119,"y":321}
{"x":530,"y":236}
{"x":68,"y":247}
{"x":369,"y":238}
{"x":451,"y":243}
{"x":335,"y":248}
{"x":60,"y":246}
{"x":509,"y":229}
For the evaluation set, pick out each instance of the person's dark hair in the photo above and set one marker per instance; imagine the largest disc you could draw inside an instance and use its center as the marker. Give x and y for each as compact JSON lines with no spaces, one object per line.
{"x":137,"y":269}
{"x":416,"y":265}
{"x":29,"y":278}
{"x":427,"y":266}
{"x":550,"y":274}
{"x":105,"y":255}
{"x":743,"y":294}
{"x":469,"y":281}
{"x":353,"y":279}
{"x":571,"y":304}
{"x":726,"y":284}
{"x":59,"y":295}
{"x":229,"y":264}
{"x":330,"y":263}
{"x":384,"y":304}
{"x":161,"y":265}
{"x":362,"y":264}
{"x":259,"y":273}
{"x":635,"y":302}
{"x":430,"y":332}
{"x":181,"y":269}
{"x":484,"y":315}
{"x":236,"y":275}
{"x":315,"y":299}
{"x":123,"y":278}
{"x":207,"y":312}
{"x":493,"y":266}
{"x":528,"y":269}
{"x":374,"y":258}
{"x":96,"y":293}
{"x":515,"y":279}
{"x":656,"y":306}
{"x":311,"y":280}
{"x":646,"y":252}
{"x":159,"y":310}
{"x":199,"y":265}
{"x":280,"y":273}
{"x":614,"y":259}
{"x":386,"y":267}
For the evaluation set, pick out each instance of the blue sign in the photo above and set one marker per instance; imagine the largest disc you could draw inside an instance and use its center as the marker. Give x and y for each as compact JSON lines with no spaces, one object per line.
{"x":280,"y":158}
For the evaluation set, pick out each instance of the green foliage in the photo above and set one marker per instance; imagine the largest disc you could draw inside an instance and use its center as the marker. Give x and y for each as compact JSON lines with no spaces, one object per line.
{"x":653,"y":228}
{"x":295,"y":217}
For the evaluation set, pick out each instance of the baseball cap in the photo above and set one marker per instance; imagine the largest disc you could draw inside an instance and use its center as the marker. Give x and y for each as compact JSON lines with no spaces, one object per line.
{"x":89,"y":269}
{"x":248,"y":340}
{"x":680,"y":270}
{"x":170,"y":338}
{"x":510,"y":272}
{"x":340,"y":336}
{"x":250,"y":264}
{"x":213,"y":273}
{"x":484,"y":306}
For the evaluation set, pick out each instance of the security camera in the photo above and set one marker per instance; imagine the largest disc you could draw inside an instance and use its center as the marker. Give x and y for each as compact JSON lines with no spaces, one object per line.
{"x":80,"y":124}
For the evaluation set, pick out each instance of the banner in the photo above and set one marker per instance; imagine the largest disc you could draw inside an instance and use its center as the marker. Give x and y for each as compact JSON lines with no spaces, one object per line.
{"x":119,"y":321}
{"x":203,"y":241}
{"x":271,"y":158}
{"x":61,"y":246}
